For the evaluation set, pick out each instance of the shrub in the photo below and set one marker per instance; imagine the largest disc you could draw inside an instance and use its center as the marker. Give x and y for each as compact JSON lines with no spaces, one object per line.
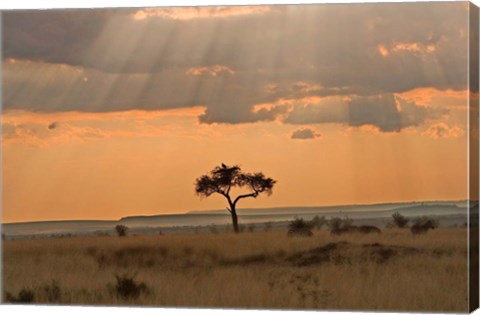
{"x":299,"y":227}
{"x":336,"y":223}
{"x":213,"y":229}
{"x":127,"y":288}
{"x":52,"y":292}
{"x":423,"y":224}
{"x":318,"y":222}
{"x":426,"y":220}
{"x":390,"y":225}
{"x":101,"y":233}
{"x":251,"y":228}
{"x":121,"y":230}
{"x":267,"y":226}
{"x":24,"y":296}
{"x":399,"y":220}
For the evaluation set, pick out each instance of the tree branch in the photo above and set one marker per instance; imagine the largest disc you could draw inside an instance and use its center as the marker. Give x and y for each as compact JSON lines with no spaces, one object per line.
{"x":254,"y":195}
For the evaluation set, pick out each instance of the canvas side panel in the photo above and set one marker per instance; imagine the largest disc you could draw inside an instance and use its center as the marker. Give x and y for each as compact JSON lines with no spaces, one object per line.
{"x":1,"y":159}
{"x":473,"y":156}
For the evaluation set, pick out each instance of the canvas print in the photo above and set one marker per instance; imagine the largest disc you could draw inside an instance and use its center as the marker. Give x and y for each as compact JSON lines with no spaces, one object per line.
{"x":315,"y":156}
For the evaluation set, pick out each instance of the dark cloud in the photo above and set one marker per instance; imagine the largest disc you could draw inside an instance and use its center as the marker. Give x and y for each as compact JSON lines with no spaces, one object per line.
{"x":285,"y":42}
{"x":104,"y":60}
{"x":240,"y":114}
{"x":57,"y":36}
{"x":305,"y":133}
{"x":384,"y":112}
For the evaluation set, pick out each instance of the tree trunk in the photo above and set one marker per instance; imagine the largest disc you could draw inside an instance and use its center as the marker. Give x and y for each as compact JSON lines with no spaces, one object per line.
{"x":235,"y":221}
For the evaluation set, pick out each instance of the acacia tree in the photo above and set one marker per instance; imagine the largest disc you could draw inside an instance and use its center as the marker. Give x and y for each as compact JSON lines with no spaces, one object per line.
{"x":223,"y":178}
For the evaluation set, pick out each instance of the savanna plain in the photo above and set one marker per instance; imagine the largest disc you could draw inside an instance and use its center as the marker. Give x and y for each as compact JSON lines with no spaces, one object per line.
{"x":393,"y":270}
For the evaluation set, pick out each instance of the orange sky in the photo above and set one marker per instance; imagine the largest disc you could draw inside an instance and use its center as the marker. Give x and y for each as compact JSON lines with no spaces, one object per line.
{"x":146,"y":163}
{"x":90,"y":137}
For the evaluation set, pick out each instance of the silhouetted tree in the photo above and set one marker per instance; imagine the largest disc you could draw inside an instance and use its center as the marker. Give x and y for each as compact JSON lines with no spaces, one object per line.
{"x":223,"y":178}
{"x":399,"y":220}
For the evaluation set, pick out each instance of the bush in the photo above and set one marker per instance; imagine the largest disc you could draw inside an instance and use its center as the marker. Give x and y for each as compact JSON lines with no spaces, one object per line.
{"x":24,"y":296}
{"x":399,"y":220}
{"x":251,"y":228}
{"x":426,"y":220}
{"x":128,"y":289}
{"x":121,"y":230}
{"x":101,"y":233}
{"x":52,"y":292}
{"x":213,"y":229}
{"x":299,"y":227}
{"x":423,"y":224}
{"x":318,"y":222}
{"x":336,"y":223}
{"x":267,"y":226}
{"x":390,"y":225}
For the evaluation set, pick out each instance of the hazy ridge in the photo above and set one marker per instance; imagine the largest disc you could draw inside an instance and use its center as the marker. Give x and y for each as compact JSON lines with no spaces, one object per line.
{"x":454,"y":211}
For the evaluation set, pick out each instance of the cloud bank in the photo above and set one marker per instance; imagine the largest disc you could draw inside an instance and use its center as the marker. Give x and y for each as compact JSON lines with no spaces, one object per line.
{"x":352,"y":59}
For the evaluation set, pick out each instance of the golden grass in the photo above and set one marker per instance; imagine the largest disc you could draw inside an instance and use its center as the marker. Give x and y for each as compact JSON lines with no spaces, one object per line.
{"x":391,"y":271}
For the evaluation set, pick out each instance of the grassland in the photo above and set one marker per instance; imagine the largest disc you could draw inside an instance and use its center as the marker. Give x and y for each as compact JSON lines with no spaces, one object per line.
{"x":391,"y":271}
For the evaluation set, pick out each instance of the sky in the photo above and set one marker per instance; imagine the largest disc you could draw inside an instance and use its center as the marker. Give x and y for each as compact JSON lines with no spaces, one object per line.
{"x":115,"y":112}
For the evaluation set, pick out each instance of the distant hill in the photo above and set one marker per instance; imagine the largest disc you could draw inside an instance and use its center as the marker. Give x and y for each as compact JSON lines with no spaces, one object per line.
{"x":344,"y":208}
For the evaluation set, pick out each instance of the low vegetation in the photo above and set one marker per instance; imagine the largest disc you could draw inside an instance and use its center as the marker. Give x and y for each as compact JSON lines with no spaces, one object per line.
{"x":24,"y":296}
{"x":267,"y":226}
{"x":127,"y":288}
{"x":121,"y":230}
{"x":318,"y":222}
{"x":336,"y":223}
{"x":399,"y":220}
{"x":300,"y":227}
{"x":423,"y":224}
{"x":253,"y":270}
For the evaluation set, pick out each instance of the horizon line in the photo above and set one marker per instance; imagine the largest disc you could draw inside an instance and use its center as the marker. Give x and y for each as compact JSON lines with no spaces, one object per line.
{"x":218,"y":210}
